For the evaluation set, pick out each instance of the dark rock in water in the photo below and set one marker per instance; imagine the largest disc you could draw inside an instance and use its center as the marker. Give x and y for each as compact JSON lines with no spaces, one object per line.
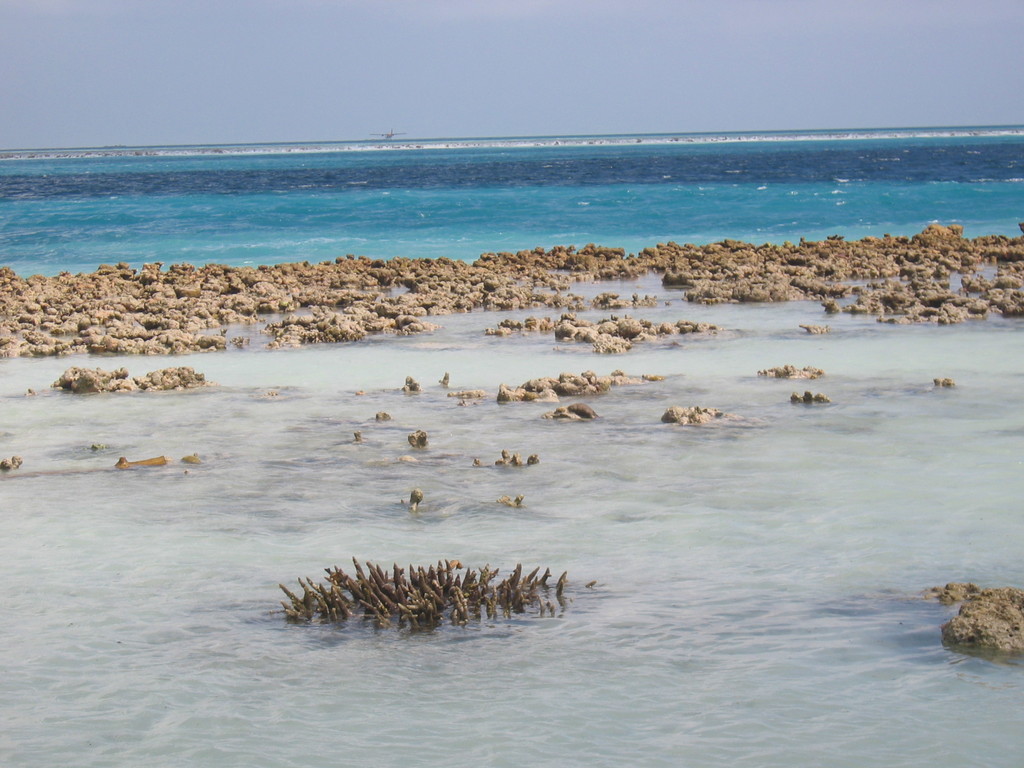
{"x":809,"y":398}
{"x":87,"y":380}
{"x":469,"y":394}
{"x":509,"y":459}
{"x":792,"y":372}
{"x":415,"y":498}
{"x":549,"y":389}
{"x":418,"y":439}
{"x":156,"y":461}
{"x":6,"y":465}
{"x":582,"y":410}
{"x":615,"y":334}
{"x":574,"y":412}
{"x":411,"y":385}
{"x":692,"y":415}
{"x":991,"y":619}
{"x":954,"y":592}
{"x":383,"y":416}
{"x":944,"y":382}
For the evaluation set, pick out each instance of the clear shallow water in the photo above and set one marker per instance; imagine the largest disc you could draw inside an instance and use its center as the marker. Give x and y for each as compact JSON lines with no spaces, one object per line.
{"x":758,"y":584}
{"x":757,"y":599}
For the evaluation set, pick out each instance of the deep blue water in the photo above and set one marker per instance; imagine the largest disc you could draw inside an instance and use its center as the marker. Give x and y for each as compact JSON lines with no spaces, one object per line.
{"x":73,"y":212}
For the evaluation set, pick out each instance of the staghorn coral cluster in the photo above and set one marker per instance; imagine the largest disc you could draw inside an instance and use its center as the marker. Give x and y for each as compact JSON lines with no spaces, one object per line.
{"x":422,"y":598}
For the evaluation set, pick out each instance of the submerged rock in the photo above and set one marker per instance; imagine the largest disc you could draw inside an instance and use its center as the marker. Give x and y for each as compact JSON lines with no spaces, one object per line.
{"x":414,"y":499}
{"x":809,"y":398}
{"x":157,"y":461}
{"x":792,"y":372}
{"x":549,"y":389}
{"x":954,"y":592}
{"x":89,"y":380}
{"x":509,"y":459}
{"x":989,"y":619}
{"x":574,"y":412}
{"x":693,"y":415}
{"x":6,"y":465}
{"x":469,"y":394}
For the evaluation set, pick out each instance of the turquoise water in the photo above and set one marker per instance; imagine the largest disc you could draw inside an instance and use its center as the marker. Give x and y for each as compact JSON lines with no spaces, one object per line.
{"x":758,"y":582}
{"x":273,"y":204}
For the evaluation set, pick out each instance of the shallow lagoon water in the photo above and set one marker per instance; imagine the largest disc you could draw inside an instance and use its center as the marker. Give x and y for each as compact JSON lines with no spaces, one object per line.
{"x":758,"y":582}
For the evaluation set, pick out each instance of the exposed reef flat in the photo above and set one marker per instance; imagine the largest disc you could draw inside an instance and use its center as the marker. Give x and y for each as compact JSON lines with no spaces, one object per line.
{"x":90,"y":380}
{"x":936,"y":276}
{"x":612,"y":335}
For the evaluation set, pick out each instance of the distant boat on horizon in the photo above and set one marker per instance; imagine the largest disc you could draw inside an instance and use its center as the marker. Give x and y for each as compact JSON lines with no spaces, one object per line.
{"x":389,"y":135}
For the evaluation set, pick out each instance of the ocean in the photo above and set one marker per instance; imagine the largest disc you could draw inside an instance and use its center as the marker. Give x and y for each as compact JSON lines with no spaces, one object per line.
{"x":76,"y":209}
{"x":757,"y":595}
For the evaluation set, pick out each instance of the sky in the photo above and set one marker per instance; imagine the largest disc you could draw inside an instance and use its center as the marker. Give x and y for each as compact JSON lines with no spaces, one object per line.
{"x":84,"y":73}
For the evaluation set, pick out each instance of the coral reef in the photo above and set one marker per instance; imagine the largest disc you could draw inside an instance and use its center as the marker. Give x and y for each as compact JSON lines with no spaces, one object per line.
{"x":86,"y":380}
{"x":693,"y":415}
{"x":549,"y":389}
{"x":14,"y":462}
{"x":422,"y":598}
{"x":121,"y":310}
{"x":609,"y":336}
{"x":574,"y":412}
{"x":792,"y":372}
{"x":989,"y":619}
{"x":809,"y":398}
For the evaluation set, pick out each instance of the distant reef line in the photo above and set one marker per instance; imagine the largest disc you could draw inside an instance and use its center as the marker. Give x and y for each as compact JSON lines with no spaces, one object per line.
{"x":936,"y":276}
{"x":455,"y":143}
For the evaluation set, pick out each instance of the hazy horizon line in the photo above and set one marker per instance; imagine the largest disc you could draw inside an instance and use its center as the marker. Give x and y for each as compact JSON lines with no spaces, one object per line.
{"x":383,"y":141}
